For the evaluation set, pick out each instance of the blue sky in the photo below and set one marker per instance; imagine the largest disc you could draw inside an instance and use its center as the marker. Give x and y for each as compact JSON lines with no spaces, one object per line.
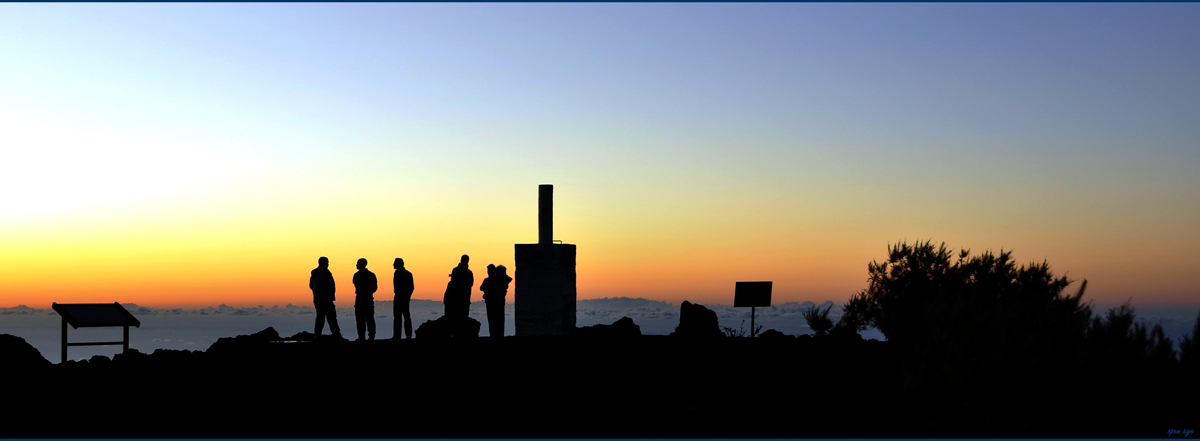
{"x":786,"y":142}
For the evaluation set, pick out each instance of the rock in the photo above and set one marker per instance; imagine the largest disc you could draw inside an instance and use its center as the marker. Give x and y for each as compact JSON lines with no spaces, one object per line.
{"x":696,"y":321}
{"x":19,"y":355}
{"x":177,"y":357}
{"x":619,"y":329}
{"x":445,"y":327}
{"x":129,"y":357}
{"x":244,"y":342}
{"x":302,"y":336}
{"x":772,"y":334}
{"x":269,"y":334}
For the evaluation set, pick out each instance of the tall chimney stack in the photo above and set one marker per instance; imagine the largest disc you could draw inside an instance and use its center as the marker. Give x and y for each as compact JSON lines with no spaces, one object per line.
{"x":545,"y":213}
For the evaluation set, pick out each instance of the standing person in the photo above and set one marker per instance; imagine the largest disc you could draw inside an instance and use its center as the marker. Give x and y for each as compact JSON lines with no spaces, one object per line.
{"x":494,"y":289}
{"x":323,"y":288}
{"x":402,"y":285}
{"x":365,"y":286}
{"x":458,"y":291}
{"x":486,"y":284}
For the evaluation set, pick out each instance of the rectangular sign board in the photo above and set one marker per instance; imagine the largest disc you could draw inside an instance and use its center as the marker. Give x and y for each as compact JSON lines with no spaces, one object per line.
{"x":95,"y":315}
{"x":746,"y":294}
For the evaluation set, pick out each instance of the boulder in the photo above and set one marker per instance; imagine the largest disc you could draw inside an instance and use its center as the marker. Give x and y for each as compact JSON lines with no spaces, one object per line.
{"x":265,"y":335}
{"x":129,"y":357}
{"x":696,"y":321}
{"x":620,"y":328}
{"x":302,"y":336}
{"x":19,"y":355}
{"x":445,"y":327}
{"x":244,"y":342}
{"x":177,"y":357}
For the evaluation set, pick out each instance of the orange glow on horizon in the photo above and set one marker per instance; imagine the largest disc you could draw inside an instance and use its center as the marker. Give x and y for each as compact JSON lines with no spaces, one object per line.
{"x":202,"y":252}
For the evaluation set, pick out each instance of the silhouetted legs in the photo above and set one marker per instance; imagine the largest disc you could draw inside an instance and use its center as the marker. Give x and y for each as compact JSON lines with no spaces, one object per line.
{"x":495,"y":316}
{"x":326,"y":311}
{"x":364,"y":318}
{"x":401,"y":315}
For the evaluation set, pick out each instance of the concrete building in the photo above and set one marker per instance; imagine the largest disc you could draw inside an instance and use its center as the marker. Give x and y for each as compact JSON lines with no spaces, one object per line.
{"x":544,"y":297}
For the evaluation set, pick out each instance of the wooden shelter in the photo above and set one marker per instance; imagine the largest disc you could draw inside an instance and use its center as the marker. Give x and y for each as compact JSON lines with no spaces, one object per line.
{"x":94,"y":315}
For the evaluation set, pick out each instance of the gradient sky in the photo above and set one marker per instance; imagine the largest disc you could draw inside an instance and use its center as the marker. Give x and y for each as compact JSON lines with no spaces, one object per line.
{"x":197,"y":154}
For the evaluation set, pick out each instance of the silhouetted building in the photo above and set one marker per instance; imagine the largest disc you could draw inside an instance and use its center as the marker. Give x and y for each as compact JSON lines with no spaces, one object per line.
{"x":544,"y":296}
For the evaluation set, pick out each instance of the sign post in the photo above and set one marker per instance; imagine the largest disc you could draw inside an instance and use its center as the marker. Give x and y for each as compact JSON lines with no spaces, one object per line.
{"x":752,"y":294}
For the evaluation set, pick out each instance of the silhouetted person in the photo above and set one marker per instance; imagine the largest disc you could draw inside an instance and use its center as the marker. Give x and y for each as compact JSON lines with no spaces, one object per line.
{"x":486,"y":284}
{"x":323,"y":288}
{"x":494,"y":288}
{"x":365,"y":286}
{"x":402,"y":285}
{"x":458,"y":291}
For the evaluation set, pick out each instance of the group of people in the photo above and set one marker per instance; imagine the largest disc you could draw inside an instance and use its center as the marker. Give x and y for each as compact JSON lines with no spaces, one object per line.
{"x":457,"y":299}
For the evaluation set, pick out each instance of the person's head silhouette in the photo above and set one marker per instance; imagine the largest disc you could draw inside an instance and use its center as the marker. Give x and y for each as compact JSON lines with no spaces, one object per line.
{"x":323,"y":262}
{"x":362,"y":264}
{"x":399,"y":263}
{"x":464,"y":260}
{"x":501,"y":270}
{"x":491,"y":269}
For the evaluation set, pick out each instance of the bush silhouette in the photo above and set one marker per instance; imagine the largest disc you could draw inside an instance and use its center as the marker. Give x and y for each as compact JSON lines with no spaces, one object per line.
{"x":818,"y":320}
{"x":1120,"y":346}
{"x":1189,"y":351}
{"x":741,"y":330}
{"x":980,"y":338}
{"x":969,"y":327}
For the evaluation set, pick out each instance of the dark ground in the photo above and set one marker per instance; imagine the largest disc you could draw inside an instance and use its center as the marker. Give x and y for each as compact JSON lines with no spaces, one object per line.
{"x":649,"y":386}
{"x":645,"y":387}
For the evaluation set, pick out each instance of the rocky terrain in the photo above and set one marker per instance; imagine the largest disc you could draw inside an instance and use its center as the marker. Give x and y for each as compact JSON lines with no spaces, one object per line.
{"x":608,"y":381}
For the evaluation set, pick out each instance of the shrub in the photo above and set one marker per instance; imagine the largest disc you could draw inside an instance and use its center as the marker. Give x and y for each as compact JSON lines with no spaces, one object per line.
{"x":969,"y":327}
{"x":818,"y":320}
{"x":1189,"y":350}
{"x":741,"y":330}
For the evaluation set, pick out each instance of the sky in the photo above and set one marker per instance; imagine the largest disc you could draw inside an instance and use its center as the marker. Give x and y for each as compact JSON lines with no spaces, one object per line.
{"x":190,"y":155}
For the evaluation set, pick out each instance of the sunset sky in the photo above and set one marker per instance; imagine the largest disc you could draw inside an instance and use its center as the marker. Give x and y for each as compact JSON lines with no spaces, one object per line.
{"x":198,"y":154}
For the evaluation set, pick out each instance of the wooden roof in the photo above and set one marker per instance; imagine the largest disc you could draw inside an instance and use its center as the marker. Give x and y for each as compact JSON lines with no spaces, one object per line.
{"x":92,"y":315}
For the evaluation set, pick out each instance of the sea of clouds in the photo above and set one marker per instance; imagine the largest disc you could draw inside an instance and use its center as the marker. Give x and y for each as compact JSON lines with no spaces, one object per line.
{"x":197,"y":329}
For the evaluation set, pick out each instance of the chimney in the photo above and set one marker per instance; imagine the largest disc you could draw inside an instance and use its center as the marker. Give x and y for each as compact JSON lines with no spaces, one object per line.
{"x":545,"y":214}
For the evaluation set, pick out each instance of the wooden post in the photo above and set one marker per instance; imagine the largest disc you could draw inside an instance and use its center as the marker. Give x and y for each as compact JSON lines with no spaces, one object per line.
{"x":125,"y":347}
{"x":64,"y":340}
{"x":751,"y":322}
